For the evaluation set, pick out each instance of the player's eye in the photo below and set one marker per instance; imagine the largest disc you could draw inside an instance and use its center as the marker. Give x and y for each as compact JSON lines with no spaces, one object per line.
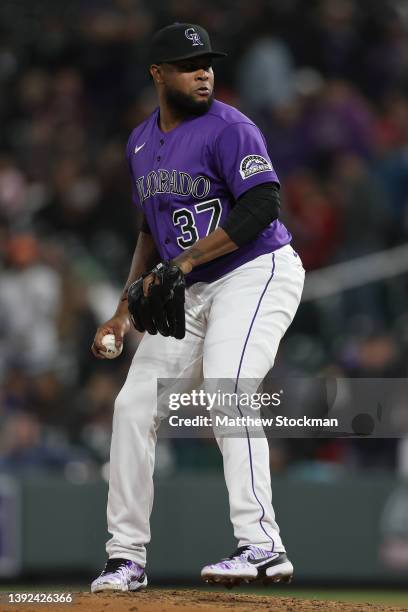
{"x":195,"y":67}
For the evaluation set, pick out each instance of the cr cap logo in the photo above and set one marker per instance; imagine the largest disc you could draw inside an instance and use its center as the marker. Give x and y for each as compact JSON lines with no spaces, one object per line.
{"x":194,"y":36}
{"x":254,"y":164}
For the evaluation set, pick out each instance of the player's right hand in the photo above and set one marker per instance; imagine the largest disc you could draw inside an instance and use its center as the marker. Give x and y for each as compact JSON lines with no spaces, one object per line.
{"x":118,"y":325}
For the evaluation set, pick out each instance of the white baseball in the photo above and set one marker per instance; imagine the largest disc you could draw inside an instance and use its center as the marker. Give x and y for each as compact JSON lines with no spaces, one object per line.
{"x":111,"y":351}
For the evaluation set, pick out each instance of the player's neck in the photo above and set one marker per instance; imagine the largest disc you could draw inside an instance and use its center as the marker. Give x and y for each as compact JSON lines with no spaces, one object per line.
{"x":169,"y":118}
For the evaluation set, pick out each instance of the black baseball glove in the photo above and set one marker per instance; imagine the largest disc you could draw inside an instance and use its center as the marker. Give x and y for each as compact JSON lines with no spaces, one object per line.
{"x":163,"y":309}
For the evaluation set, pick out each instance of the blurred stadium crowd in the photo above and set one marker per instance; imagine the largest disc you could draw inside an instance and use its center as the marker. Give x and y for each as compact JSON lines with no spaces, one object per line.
{"x":326,"y":81}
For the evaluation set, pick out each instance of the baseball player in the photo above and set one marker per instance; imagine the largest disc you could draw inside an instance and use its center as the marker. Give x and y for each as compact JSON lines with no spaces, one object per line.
{"x":215,"y":284}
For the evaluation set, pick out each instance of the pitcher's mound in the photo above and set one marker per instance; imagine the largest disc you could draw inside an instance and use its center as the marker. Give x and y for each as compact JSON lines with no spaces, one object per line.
{"x":185,"y":600}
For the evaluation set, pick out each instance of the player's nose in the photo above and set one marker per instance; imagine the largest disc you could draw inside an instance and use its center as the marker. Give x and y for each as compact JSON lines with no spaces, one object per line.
{"x":202,"y":74}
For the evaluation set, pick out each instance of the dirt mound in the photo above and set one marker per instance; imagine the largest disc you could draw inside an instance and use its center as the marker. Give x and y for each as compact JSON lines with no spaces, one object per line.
{"x":186,"y":600}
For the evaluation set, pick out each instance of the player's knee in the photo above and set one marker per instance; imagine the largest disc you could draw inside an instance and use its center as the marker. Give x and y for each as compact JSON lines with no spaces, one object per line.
{"x":130,"y":412}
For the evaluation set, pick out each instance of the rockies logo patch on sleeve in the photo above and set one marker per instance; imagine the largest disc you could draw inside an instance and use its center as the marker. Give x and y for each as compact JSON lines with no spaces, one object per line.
{"x":253,"y":164}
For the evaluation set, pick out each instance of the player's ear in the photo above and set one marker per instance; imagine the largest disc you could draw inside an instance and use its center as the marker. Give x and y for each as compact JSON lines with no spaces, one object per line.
{"x":156,"y":73}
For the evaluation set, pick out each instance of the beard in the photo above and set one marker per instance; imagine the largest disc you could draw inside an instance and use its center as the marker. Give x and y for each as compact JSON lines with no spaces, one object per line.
{"x":184,"y":105}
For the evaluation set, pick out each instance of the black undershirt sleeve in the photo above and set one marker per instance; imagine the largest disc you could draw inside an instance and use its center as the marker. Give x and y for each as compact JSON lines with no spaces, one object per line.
{"x":252,"y":213}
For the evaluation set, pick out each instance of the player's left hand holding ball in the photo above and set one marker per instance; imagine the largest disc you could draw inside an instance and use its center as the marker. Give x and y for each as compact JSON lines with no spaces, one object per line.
{"x":156,"y":301}
{"x":112,"y":351}
{"x":108,"y":341}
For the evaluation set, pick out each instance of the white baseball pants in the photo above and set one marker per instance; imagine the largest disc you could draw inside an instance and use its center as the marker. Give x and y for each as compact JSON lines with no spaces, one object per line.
{"x":233,"y":329}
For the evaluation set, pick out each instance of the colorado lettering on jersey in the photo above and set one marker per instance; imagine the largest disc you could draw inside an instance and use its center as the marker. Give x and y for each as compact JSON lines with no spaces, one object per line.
{"x":177,"y":182}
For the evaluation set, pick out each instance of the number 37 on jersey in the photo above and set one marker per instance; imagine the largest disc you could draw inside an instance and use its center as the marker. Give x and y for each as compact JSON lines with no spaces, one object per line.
{"x":196,"y":222}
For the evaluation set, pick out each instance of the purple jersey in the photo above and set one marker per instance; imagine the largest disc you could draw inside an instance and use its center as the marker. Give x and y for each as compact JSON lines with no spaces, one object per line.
{"x":187,"y":180}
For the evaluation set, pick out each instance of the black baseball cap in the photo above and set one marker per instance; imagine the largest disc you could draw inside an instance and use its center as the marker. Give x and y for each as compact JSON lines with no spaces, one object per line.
{"x":180,"y":41}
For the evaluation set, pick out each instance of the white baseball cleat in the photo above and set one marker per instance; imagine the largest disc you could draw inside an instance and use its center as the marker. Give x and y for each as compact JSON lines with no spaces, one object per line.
{"x":249,"y":563}
{"x":120,"y":575}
